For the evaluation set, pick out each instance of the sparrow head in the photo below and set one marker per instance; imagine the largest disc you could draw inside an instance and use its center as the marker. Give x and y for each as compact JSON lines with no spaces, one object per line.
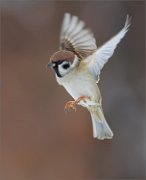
{"x":63,"y":62}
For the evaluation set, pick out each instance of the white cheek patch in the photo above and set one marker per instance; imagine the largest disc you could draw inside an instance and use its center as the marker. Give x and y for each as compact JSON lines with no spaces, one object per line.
{"x":63,"y":71}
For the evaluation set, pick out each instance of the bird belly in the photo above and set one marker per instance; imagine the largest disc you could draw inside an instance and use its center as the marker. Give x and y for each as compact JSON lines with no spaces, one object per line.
{"x":83,"y":86}
{"x":77,"y":89}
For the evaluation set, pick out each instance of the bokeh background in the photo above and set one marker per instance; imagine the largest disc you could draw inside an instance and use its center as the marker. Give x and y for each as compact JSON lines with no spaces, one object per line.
{"x":40,"y":141}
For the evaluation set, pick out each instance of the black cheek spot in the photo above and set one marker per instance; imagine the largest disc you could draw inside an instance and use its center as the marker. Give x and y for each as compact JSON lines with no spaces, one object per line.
{"x":65,"y":66}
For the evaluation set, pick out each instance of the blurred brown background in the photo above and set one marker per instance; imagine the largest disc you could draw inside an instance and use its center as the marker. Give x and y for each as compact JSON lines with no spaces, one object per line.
{"x":39,"y":141}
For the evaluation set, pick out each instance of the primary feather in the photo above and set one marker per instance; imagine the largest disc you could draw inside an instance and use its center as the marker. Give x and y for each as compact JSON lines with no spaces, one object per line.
{"x":76,"y":38}
{"x":103,"y":53}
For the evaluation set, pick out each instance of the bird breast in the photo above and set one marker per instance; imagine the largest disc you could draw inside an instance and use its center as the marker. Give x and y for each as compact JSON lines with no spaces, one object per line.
{"x":79,"y":83}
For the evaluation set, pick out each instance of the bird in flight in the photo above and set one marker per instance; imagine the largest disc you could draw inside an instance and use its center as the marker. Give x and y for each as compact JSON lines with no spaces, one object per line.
{"x":77,"y":66}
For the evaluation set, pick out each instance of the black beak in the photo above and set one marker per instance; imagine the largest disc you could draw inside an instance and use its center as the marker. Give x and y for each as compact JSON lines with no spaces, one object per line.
{"x":50,"y":65}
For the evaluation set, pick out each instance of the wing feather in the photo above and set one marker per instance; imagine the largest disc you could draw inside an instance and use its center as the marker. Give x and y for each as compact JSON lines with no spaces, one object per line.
{"x":76,"y":38}
{"x":103,"y":53}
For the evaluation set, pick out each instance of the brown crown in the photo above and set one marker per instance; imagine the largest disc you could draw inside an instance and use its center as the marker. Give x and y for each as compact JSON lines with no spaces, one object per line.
{"x":62,"y":55}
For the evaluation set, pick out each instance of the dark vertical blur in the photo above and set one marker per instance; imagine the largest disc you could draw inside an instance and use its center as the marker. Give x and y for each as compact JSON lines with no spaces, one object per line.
{"x":40,"y":141}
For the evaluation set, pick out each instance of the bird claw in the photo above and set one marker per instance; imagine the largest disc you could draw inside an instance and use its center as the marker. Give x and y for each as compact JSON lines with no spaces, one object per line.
{"x":70,"y":105}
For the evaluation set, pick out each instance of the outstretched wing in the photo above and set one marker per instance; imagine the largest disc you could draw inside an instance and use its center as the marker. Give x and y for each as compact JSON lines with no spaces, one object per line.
{"x":76,"y":38}
{"x":103,"y":53}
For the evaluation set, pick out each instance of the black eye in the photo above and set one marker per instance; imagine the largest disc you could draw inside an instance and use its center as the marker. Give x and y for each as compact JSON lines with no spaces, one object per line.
{"x":65,"y":66}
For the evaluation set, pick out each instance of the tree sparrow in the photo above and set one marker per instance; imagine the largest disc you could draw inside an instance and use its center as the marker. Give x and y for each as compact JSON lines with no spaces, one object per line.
{"x":77,"y":66}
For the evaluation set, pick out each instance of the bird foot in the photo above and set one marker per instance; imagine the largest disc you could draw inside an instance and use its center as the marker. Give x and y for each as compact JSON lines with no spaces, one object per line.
{"x":72,"y":104}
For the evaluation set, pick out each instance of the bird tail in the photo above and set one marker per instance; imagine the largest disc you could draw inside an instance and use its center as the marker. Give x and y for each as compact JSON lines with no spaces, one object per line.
{"x":101,"y":129}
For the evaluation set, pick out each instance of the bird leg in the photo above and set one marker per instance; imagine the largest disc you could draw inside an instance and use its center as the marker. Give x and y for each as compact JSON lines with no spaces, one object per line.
{"x":82,"y":98}
{"x":72,"y":104}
